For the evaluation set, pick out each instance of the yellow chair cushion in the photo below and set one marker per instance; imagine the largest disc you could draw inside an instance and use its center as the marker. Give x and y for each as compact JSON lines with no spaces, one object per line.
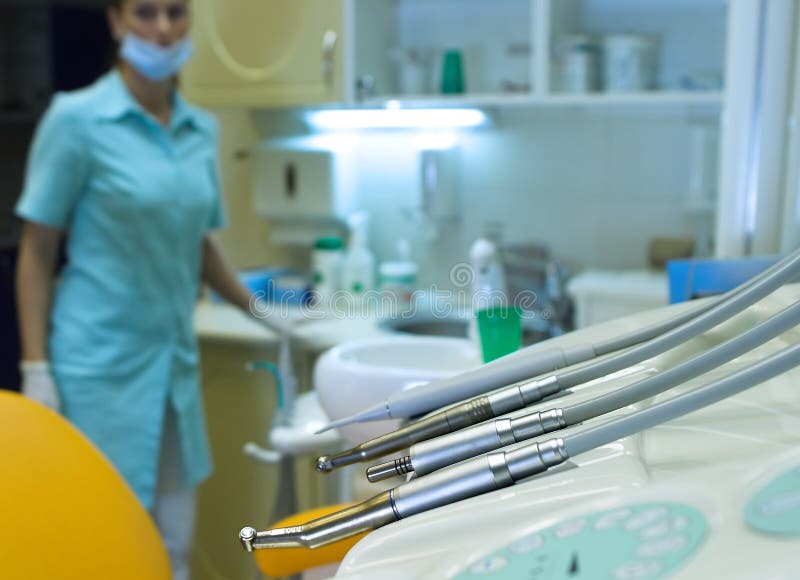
{"x":280,"y":562}
{"x":65,"y":512}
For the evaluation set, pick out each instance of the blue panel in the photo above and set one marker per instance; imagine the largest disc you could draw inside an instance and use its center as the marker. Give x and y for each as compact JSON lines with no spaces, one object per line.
{"x":282,"y":285}
{"x":693,"y":278}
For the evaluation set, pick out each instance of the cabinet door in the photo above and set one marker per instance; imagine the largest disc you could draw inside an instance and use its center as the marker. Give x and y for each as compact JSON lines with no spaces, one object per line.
{"x":265,"y":52}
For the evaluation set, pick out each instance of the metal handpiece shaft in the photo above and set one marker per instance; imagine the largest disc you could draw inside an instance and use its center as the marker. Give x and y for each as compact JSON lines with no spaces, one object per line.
{"x":464,"y":415}
{"x":456,"y":418}
{"x":348,"y":522}
{"x":428,"y":456}
{"x":468,"y":479}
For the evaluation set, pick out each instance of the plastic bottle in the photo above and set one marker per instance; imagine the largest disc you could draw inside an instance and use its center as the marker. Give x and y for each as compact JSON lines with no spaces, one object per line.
{"x":326,"y":265}
{"x":358,"y":268}
{"x":489,"y":278}
{"x":488,"y":283}
{"x":398,"y":280}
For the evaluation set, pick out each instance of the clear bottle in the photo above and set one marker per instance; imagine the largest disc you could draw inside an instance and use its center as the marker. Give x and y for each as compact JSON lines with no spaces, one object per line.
{"x":358,"y":268}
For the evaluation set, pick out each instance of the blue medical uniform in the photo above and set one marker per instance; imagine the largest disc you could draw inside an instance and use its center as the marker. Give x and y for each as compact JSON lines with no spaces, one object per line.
{"x":136,"y":199}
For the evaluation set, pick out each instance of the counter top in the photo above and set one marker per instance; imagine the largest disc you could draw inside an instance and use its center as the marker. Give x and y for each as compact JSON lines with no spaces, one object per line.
{"x":223,"y":322}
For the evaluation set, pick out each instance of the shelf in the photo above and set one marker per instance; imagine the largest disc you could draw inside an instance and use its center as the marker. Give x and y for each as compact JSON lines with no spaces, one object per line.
{"x":654,"y":98}
{"x":679,"y":98}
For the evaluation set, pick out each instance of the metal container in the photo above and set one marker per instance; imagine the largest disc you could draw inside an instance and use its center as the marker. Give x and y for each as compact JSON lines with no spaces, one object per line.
{"x":629,"y":63}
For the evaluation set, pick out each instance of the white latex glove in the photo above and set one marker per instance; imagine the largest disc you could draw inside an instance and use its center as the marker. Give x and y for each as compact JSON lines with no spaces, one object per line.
{"x":38,"y":384}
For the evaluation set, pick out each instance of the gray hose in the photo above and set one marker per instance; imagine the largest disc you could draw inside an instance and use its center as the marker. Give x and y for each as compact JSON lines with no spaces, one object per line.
{"x":651,"y":386}
{"x":787,"y":271}
{"x":659,"y":328}
{"x":707,"y":395}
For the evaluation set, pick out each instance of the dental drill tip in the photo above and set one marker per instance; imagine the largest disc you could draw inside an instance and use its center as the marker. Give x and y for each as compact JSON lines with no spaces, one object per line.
{"x":327,"y":463}
{"x":323,"y":465}
{"x":246,"y":536}
{"x":374,"y":413}
{"x":399,"y":466}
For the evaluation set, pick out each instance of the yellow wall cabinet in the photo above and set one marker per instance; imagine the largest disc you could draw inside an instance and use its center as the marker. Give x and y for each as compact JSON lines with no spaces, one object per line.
{"x":265,"y":53}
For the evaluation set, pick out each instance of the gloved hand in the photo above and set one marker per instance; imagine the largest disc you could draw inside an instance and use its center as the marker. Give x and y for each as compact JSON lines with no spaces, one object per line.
{"x":38,"y":384}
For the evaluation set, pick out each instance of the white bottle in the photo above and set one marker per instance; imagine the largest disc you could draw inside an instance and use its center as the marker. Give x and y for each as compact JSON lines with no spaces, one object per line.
{"x":398,"y":279}
{"x":326,"y":264}
{"x":358,"y":269}
{"x":488,"y":282}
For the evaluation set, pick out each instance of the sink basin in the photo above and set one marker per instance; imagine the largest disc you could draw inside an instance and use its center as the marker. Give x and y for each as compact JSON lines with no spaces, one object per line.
{"x":359,"y":374}
{"x":456,"y":325}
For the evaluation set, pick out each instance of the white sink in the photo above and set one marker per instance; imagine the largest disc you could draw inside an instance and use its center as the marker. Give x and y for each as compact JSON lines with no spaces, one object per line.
{"x":359,"y":374}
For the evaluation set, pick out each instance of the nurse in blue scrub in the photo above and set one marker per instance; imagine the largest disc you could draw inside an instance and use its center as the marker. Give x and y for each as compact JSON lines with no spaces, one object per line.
{"x":126,"y":171}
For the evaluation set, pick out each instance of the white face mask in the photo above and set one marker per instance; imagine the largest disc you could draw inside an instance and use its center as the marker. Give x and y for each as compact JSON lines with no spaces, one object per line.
{"x":155,"y":62}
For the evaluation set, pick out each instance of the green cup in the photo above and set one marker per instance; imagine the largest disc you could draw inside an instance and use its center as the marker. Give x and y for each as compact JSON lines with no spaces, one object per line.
{"x":452,"y":73}
{"x":500,"y":331}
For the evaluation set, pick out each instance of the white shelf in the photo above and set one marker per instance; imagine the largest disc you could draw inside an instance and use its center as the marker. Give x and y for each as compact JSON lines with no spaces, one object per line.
{"x":634,"y":99}
{"x":654,"y":98}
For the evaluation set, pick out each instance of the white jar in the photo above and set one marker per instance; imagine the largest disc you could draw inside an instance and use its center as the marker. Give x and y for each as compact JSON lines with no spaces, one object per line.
{"x":326,"y":268}
{"x":629,"y":63}
{"x":398,"y":280}
{"x":577,"y":60}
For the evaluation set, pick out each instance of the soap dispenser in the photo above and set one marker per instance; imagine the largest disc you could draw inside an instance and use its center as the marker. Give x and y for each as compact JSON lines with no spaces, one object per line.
{"x":358,"y":271}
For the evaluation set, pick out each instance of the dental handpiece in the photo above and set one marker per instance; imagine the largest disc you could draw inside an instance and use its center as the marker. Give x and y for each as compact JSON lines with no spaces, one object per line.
{"x":529,"y":362}
{"x":468,"y":479}
{"x":433,"y":454}
{"x":504,"y":468}
{"x":524,"y":394}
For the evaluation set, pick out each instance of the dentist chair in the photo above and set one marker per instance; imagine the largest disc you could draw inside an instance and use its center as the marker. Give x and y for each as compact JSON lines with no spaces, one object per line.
{"x":64,"y":510}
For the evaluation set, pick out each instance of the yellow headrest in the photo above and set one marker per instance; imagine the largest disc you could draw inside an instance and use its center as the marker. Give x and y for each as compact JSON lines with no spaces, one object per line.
{"x":64,"y":510}
{"x":280,"y":562}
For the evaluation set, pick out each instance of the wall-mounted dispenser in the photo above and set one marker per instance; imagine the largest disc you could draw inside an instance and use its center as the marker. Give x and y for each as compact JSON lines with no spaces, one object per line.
{"x":304,"y":192}
{"x":439,"y":183}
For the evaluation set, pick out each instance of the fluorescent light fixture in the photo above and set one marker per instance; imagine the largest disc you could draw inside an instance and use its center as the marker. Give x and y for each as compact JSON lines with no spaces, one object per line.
{"x":394,"y":118}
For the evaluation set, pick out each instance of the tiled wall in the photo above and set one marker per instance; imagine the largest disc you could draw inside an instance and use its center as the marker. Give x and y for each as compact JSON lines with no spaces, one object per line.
{"x":595,"y":185}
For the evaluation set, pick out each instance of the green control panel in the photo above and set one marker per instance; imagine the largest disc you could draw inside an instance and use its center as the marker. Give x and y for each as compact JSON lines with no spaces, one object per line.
{"x":638,"y":541}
